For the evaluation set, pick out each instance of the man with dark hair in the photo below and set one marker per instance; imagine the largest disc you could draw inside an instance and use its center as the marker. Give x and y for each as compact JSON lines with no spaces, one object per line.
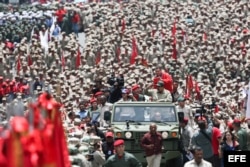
{"x":108,"y":145}
{"x":241,"y":134}
{"x":203,"y":139}
{"x":186,"y":136}
{"x":198,"y":159}
{"x":165,"y":77}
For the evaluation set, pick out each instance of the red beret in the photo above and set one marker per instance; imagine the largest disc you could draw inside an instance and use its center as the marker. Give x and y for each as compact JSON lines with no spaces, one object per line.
{"x":201,"y":119}
{"x":93,"y":100}
{"x":118,"y":142}
{"x":237,"y":121}
{"x":99,"y":93}
{"x":109,"y":134}
{"x":135,"y":87}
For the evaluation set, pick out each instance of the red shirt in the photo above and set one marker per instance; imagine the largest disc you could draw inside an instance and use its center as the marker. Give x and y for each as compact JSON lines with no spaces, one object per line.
{"x":76,"y":18}
{"x":155,"y":140}
{"x":60,"y":13}
{"x":167,"y":79}
{"x":215,"y":143}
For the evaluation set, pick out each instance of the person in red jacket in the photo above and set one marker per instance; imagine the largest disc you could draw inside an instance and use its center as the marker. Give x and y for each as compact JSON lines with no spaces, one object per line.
{"x":165,"y":77}
{"x":75,"y":22}
{"x":60,"y":14}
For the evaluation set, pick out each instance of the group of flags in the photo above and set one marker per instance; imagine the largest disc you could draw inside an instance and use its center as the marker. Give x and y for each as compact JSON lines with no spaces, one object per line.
{"x":37,"y":139}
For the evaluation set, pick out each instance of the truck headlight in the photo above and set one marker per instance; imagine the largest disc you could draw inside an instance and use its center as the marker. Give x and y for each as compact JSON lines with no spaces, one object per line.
{"x":164,"y":135}
{"x":128,"y":135}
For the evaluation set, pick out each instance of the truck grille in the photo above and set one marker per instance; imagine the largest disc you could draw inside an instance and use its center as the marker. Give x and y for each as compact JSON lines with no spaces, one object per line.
{"x":139,"y":135}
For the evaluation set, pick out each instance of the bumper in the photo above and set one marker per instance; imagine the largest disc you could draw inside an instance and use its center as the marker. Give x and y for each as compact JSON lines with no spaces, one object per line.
{"x":168,"y":155}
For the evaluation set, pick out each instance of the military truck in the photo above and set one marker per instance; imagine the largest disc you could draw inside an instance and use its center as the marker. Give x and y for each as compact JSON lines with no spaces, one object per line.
{"x":131,"y":120}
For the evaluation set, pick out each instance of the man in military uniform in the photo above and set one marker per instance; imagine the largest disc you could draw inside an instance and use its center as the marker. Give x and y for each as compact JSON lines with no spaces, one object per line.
{"x":122,"y":158}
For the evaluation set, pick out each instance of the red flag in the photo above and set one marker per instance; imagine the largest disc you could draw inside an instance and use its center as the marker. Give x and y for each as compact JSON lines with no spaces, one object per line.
{"x":174,"y":52}
{"x":29,"y":61}
{"x":118,"y":52}
{"x":174,"y":28}
{"x":197,"y":91}
{"x":98,"y":57}
{"x":63,"y":61}
{"x":204,"y":36}
{"x":216,"y":109}
{"x":189,"y":86}
{"x":78,"y":59}
{"x":123,"y":25}
{"x":18,"y":64}
{"x":153,"y":33}
{"x":134,"y":51}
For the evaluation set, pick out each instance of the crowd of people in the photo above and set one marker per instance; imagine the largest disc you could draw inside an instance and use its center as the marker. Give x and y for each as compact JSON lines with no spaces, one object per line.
{"x":191,"y":53}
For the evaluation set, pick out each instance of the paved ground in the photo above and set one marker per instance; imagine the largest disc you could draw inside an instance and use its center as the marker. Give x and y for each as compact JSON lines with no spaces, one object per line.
{"x":81,"y":39}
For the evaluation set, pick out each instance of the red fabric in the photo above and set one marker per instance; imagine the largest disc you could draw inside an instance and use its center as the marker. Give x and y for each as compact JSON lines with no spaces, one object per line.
{"x":216,"y":134}
{"x":76,"y":18}
{"x":9,"y":45}
{"x":123,"y":25}
{"x":118,"y":52}
{"x":3,"y":160}
{"x":153,"y":33}
{"x":78,"y":58}
{"x":174,"y":28}
{"x":204,"y":36}
{"x":98,"y":58}
{"x":60,"y":13}
{"x":167,"y":79}
{"x":216,"y":109}
{"x":29,"y":60}
{"x":197,"y":90}
{"x":174,"y":53}
{"x":134,"y":51}
{"x":18,"y":65}
{"x":189,"y":86}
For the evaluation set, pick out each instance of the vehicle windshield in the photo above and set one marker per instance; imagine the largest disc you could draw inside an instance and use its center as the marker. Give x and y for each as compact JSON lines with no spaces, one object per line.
{"x":144,"y":114}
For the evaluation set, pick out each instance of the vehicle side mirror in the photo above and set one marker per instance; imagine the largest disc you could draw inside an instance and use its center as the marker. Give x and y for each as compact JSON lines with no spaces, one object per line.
{"x":180,"y":116}
{"x":107,"y":115}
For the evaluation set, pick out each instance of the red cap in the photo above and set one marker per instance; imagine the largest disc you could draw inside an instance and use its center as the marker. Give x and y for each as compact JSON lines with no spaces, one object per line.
{"x":118,"y":143}
{"x":135,"y":87}
{"x":109,"y":134}
{"x":236,"y":121}
{"x":230,"y":125}
{"x":99,"y":93}
{"x":201,"y":119}
{"x":93,"y":100}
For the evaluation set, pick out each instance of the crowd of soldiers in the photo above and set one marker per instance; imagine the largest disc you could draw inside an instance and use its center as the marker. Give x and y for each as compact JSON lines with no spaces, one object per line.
{"x":126,"y":43}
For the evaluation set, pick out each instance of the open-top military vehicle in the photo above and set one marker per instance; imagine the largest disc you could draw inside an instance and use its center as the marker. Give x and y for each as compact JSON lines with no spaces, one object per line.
{"x":131,"y":120}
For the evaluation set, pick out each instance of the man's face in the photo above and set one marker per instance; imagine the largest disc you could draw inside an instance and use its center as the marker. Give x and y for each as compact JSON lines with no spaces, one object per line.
{"x":198,"y":155}
{"x":152,"y":129}
{"x":120,"y":150}
{"x":175,"y":85}
{"x":160,"y":88}
{"x":158,"y":72}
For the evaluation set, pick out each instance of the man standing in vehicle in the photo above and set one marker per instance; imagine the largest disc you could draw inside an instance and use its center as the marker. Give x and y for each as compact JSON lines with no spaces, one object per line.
{"x":152,"y":143}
